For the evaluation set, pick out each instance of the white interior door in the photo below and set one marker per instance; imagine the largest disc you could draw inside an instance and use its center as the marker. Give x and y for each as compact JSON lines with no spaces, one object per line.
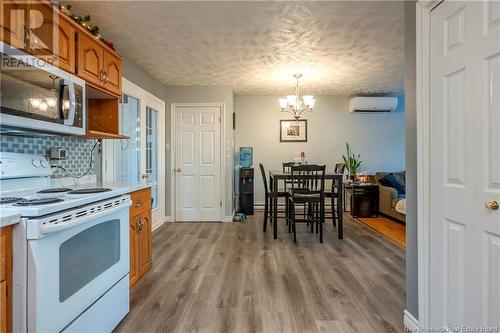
{"x":198,"y":166}
{"x":138,"y":158}
{"x":152,"y":144}
{"x":465,"y":164}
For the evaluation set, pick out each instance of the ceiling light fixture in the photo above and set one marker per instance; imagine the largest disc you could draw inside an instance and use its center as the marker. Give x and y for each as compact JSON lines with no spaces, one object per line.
{"x":296,"y":104}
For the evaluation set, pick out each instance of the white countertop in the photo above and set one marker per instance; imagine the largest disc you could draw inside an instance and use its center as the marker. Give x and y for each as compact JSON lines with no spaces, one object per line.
{"x":126,"y":186}
{"x":8,"y":218}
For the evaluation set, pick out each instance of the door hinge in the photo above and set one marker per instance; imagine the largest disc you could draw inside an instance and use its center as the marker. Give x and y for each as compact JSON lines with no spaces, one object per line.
{"x":220,"y":203}
{"x":219,"y":120}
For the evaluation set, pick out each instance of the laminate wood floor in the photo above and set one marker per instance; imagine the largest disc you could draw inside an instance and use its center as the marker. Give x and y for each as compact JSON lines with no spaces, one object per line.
{"x":232,"y":277}
{"x":391,"y":229}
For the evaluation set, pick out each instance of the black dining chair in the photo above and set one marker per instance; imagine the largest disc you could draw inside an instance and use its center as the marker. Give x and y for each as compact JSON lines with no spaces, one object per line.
{"x":332,"y":195}
{"x":268,"y":204}
{"x":308,"y":187}
{"x":287,"y":167}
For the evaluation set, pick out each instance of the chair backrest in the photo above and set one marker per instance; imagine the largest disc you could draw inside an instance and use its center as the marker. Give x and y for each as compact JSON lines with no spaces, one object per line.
{"x":287,"y":166}
{"x":309,"y":177}
{"x":264,"y":178}
{"x":340,"y":168}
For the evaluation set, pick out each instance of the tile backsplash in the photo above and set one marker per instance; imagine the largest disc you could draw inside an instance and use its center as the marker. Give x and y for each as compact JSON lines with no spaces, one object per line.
{"x":77,"y":150}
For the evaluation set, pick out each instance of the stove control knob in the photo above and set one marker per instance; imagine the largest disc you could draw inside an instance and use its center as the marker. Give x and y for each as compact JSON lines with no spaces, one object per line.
{"x":36,"y":163}
{"x":44,"y":163}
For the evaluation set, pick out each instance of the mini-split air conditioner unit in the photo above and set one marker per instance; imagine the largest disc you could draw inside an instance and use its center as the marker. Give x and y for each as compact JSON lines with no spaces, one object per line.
{"x":373,"y":104}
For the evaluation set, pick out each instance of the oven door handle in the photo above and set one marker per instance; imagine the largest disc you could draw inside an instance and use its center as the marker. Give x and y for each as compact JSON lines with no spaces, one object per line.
{"x":51,"y":228}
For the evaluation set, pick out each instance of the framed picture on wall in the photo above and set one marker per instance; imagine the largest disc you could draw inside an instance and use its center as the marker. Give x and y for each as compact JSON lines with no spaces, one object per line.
{"x":293,"y":130}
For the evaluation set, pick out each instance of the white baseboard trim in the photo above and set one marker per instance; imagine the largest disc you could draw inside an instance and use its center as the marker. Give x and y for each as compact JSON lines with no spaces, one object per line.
{"x":165,"y":219}
{"x":227,"y":219}
{"x":410,"y":322}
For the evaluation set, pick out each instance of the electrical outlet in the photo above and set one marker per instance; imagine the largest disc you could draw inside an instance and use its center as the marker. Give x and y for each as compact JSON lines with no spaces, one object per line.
{"x":57,"y":153}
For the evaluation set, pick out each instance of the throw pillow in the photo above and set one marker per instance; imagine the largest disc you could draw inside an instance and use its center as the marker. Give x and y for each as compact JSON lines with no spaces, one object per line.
{"x":391,"y":181}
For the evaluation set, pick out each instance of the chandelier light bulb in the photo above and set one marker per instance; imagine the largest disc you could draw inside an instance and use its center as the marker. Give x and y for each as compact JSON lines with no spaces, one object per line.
{"x":309,"y":100}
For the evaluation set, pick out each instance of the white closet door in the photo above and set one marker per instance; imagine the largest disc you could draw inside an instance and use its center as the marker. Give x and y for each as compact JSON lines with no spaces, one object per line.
{"x":198,"y":165}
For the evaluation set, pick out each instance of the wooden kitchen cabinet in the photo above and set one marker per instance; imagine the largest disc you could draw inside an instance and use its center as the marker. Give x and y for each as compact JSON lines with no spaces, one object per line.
{"x":5,"y":279}
{"x":52,"y":36}
{"x":3,"y":307}
{"x":13,"y":16}
{"x":112,"y":67}
{"x":98,"y":65}
{"x":90,"y":60}
{"x":103,"y":120}
{"x":144,"y":253}
{"x":140,"y":229}
{"x":134,"y":241}
{"x":41,"y":30}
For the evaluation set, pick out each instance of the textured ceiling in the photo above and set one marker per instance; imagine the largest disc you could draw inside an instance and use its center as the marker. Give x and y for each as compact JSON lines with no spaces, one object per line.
{"x":347,"y":47}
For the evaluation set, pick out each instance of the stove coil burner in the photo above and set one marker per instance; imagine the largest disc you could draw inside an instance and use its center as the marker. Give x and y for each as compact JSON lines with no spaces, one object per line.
{"x":90,"y":190}
{"x":37,"y":202}
{"x":9,"y":200}
{"x":54,"y":190}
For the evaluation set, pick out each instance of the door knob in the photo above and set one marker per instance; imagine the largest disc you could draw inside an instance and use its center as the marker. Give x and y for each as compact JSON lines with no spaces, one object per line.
{"x":492,"y":204}
{"x":178,"y":170}
{"x":145,"y":176}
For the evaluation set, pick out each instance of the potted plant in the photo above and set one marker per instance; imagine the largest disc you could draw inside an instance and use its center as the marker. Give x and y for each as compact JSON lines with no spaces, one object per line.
{"x":352,"y":162}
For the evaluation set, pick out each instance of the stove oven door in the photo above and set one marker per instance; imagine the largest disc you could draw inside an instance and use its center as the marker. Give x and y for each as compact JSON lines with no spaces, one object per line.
{"x":71,"y":269}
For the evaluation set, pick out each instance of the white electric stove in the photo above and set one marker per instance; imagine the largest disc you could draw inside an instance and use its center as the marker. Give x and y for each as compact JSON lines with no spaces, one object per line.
{"x":71,"y":250}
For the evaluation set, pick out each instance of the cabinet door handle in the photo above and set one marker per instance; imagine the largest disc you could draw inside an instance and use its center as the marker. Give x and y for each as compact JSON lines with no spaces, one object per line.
{"x":101,"y":77}
{"x":105,"y":78}
{"x":138,"y":204}
{"x":141,"y":225}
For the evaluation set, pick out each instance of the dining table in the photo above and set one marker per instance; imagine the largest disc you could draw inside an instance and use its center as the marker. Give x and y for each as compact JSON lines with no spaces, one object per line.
{"x":277,"y":176}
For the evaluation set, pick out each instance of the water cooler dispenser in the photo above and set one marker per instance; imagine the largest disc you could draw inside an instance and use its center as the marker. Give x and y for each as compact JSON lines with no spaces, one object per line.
{"x":245,"y":180}
{"x":246,"y":191}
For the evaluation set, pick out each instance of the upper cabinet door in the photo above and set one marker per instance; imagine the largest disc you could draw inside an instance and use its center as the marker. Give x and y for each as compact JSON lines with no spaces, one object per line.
{"x":12,"y":21}
{"x":90,"y":60}
{"x":112,"y":73}
{"x":52,"y":37}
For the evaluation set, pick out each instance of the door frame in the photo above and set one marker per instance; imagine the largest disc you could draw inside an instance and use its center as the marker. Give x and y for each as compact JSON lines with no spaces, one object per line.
{"x":173,"y":154}
{"x":423,"y":19}
{"x":108,"y":173}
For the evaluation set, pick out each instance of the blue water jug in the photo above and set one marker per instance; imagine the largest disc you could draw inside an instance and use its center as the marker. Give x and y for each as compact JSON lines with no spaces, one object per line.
{"x":246,"y":157}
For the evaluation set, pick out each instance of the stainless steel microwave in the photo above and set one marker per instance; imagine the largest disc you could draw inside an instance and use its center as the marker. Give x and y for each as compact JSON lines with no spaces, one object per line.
{"x":38,"y":97}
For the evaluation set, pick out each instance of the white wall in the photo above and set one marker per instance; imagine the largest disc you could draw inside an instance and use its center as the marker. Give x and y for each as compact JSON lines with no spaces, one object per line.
{"x":379,"y":138}
{"x":204,"y":94}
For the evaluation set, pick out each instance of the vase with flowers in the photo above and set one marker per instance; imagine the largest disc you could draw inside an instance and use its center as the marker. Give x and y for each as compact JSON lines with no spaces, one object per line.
{"x":352,"y":163}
